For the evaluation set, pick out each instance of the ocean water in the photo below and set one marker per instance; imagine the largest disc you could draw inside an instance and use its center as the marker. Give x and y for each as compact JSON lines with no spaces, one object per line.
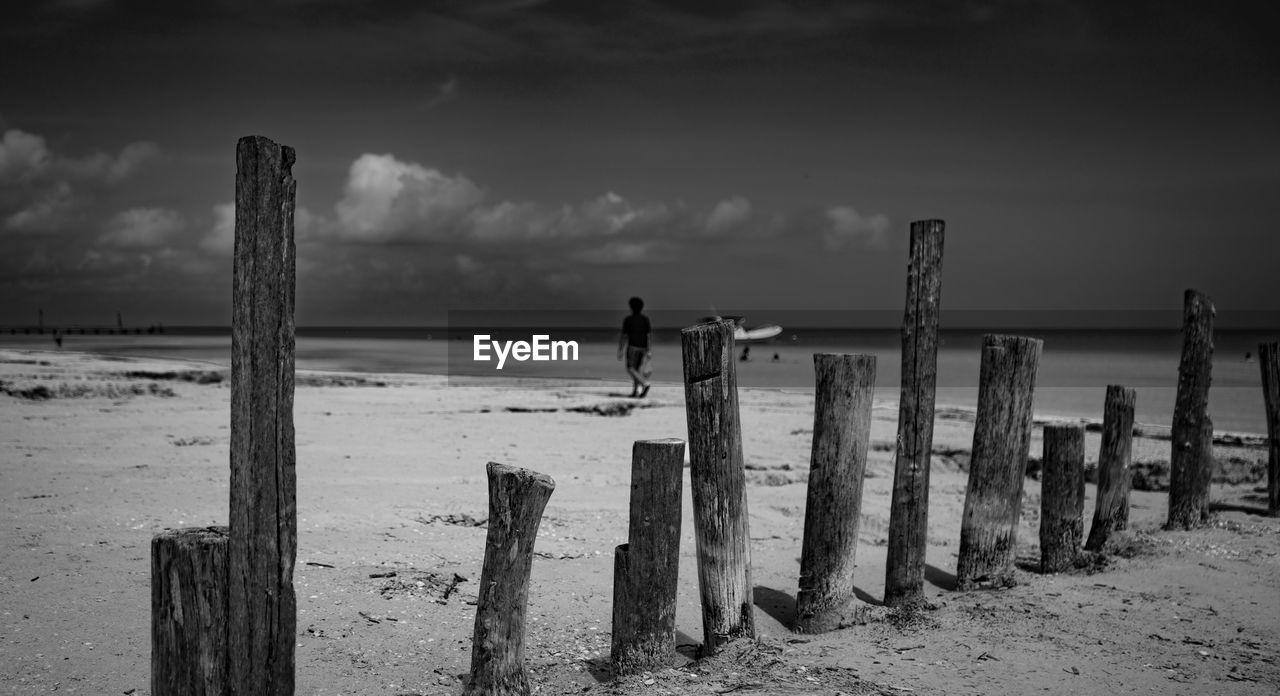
{"x":1075,"y":367}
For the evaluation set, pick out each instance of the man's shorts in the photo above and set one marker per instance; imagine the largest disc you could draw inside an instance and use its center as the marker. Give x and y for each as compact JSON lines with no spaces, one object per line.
{"x":635,"y":357}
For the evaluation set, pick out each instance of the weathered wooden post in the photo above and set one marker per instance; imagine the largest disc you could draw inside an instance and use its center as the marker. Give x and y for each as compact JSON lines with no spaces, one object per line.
{"x":909,"y":509}
{"x":1061,"y":497}
{"x":1115,"y":456}
{"x":1001,"y":436}
{"x":189,"y":612}
{"x":718,"y":479}
{"x":646,"y":567}
{"x":1269,"y":357}
{"x":261,"y":609}
{"x":517,"y":498}
{"x":844,"y":393}
{"x":1190,"y":463}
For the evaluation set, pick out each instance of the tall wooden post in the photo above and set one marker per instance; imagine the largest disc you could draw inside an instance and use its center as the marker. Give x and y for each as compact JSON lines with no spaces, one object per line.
{"x":909,"y":509}
{"x":1001,"y":437}
{"x":841,"y":433}
{"x":646,"y":568}
{"x":262,"y":611}
{"x":1061,"y":497}
{"x":517,"y":498}
{"x":718,"y":479}
{"x":1115,"y":456}
{"x":189,"y":612}
{"x":1190,"y":467}
{"x":1269,"y":357}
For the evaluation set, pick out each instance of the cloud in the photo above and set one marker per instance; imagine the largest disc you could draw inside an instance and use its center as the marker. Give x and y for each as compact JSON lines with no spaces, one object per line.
{"x":846,"y":225}
{"x":619,"y":253}
{"x":22,"y":156}
{"x":43,"y":211}
{"x":142,"y":228}
{"x":727,"y":214}
{"x":41,"y":190}
{"x":389,"y":200}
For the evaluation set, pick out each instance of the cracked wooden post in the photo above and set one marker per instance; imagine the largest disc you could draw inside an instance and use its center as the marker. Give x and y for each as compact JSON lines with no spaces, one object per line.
{"x":844,"y":392}
{"x":1269,"y":359}
{"x":1190,"y":461}
{"x":1115,"y":456}
{"x":1001,"y":437}
{"x":517,"y":498}
{"x":909,"y":509}
{"x":189,"y":612}
{"x":718,"y":479}
{"x":646,"y":568}
{"x":261,"y":608}
{"x":1061,"y":497}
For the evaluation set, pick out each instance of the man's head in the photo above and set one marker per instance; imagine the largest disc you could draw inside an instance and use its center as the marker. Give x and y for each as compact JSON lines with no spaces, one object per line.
{"x":637,"y":304}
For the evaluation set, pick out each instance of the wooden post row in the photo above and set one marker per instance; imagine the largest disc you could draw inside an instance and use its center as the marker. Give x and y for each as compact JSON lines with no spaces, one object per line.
{"x":1115,"y":458}
{"x":1001,"y":435}
{"x":1269,"y":357}
{"x":1191,"y":458}
{"x":718,"y":481}
{"x":646,"y":568}
{"x":517,"y":498}
{"x":1061,"y":497}
{"x":189,"y":612}
{"x":261,"y":609}
{"x":909,"y":508}
{"x":843,"y":397}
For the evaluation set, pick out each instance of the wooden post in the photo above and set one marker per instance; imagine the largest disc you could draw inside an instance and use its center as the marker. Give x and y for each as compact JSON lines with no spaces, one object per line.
{"x":1001,"y":437}
{"x":1189,"y":468}
{"x":1269,"y":357}
{"x":718,"y":479}
{"x":517,"y":498}
{"x":1111,"y":511}
{"x":262,"y":610}
{"x":843,"y":396}
{"x":647,"y":567}
{"x":189,"y":612}
{"x":909,"y":509}
{"x":1061,"y":497}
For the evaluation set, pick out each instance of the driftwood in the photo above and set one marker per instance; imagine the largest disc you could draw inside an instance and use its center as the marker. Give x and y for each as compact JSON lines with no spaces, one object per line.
{"x":261,"y":608}
{"x":909,"y":508}
{"x":646,"y":568}
{"x":718,"y":481}
{"x":517,"y":498}
{"x":1001,"y":436}
{"x":1191,"y":460}
{"x":189,"y":612}
{"x":1115,"y":457}
{"x":841,"y":432}
{"x":1061,"y":497}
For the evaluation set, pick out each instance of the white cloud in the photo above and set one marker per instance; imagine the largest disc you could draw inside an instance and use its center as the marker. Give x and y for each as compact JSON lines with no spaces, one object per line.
{"x":22,"y":156}
{"x":728,"y":214}
{"x":389,"y":200}
{"x":619,"y":252}
{"x":847,"y":225}
{"x":142,"y":228}
{"x":45,"y":210}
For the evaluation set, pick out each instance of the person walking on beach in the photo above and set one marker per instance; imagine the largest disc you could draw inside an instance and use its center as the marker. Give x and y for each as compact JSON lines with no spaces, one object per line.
{"x":634,"y":342}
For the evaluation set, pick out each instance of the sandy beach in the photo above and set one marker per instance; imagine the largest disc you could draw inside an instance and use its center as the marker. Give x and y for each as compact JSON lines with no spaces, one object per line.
{"x":104,"y":453}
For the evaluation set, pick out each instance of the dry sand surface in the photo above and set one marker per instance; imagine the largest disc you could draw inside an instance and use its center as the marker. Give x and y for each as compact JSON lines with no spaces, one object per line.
{"x":101,"y":454}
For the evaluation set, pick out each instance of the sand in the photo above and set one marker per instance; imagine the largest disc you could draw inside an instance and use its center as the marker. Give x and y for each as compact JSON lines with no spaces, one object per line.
{"x":391,"y":479}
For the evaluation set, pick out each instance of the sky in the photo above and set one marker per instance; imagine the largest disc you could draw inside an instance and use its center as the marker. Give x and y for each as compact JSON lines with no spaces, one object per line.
{"x":548,"y":154}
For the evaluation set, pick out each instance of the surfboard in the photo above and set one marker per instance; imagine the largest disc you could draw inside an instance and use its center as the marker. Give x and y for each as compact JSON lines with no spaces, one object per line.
{"x":759,"y":333}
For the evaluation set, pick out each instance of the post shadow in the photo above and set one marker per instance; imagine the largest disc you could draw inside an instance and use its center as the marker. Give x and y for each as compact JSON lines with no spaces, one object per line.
{"x":776,"y":603}
{"x":687,"y":645}
{"x":939,"y":578}
{"x":1236,"y":507}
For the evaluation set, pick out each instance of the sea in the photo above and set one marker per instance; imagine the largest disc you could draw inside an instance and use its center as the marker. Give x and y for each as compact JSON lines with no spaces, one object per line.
{"x":1075,"y":367}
